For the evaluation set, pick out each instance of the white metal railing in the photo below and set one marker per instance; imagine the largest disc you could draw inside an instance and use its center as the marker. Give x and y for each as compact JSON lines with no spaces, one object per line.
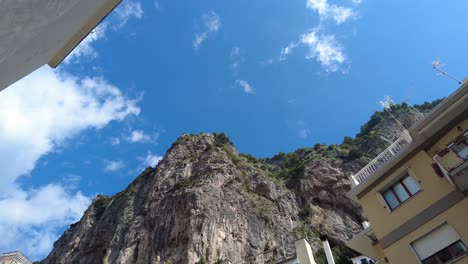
{"x":388,"y":154}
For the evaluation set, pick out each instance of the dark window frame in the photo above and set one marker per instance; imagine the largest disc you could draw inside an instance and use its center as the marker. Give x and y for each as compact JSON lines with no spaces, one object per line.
{"x":448,"y":249}
{"x":391,"y":188}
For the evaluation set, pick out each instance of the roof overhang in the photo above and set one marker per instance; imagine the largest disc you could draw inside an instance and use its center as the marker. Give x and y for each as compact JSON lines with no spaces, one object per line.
{"x":38,"y":32}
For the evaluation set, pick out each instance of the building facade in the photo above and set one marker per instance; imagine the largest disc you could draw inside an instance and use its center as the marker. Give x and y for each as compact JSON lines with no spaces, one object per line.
{"x":415,"y":193}
{"x":38,"y":32}
{"x":15,"y":257}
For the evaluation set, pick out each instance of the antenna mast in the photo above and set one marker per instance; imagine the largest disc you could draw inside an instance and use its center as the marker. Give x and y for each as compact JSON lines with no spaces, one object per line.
{"x":387,"y":103}
{"x":436,"y":66}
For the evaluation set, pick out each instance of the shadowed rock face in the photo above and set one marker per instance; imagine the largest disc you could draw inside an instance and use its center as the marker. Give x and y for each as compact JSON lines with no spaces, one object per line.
{"x":206,"y":200}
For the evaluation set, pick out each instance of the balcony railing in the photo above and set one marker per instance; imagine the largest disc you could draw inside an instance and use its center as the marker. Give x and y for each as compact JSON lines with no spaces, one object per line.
{"x":454,"y":156}
{"x":449,"y":161}
{"x":388,"y":154}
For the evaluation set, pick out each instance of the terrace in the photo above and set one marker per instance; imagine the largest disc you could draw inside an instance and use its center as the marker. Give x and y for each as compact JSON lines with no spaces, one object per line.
{"x":453,"y":161}
{"x":387,"y":155}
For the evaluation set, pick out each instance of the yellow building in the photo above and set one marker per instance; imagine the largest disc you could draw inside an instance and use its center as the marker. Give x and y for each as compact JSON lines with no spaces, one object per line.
{"x":415,"y":192}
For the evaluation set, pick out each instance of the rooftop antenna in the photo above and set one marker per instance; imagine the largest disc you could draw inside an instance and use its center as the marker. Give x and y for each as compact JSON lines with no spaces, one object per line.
{"x":436,"y":65}
{"x":387,"y":104}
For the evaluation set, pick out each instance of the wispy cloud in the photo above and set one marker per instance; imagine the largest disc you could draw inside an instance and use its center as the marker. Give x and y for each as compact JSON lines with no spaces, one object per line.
{"x":114,"y":141}
{"x":325,"y":50}
{"x":151,"y":159}
{"x":126,"y":11}
{"x":287,"y":50}
{"x":85,"y":48}
{"x":114,"y":165}
{"x":300,"y":123}
{"x":236,"y":59}
{"x":211,"y":24}
{"x":139,"y":136}
{"x":303,"y":133}
{"x":246,"y":87}
{"x":123,"y":13}
{"x":331,"y":11}
{"x":157,"y":5}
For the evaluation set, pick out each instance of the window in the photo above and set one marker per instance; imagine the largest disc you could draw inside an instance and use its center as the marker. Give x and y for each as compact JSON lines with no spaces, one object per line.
{"x":460,"y":146}
{"x":439,"y":246}
{"x":447,"y":254}
{"x":401,"y":191}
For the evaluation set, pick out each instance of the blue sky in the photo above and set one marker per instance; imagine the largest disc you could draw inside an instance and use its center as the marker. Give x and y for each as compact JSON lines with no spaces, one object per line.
{"x":274,"y":75}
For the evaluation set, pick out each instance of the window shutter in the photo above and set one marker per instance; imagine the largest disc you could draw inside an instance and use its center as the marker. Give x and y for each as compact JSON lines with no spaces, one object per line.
{"x":435,"y":241}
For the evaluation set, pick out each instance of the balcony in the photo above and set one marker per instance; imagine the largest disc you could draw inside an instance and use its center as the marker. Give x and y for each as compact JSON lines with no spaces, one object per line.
{"x":453,"y":161}
{"x":366,"y":243}
{"x":387,"y":155}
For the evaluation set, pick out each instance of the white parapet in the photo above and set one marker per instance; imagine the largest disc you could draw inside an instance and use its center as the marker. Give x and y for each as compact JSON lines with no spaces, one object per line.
{"x":388,"y":154}
{"x":304,"y":252}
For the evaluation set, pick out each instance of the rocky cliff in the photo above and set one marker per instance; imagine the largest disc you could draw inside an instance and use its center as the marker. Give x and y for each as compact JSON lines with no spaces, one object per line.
{"x":206,"y":202}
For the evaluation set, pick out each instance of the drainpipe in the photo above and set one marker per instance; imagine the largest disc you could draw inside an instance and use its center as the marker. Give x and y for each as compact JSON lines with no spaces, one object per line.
{"x":327,"y":249}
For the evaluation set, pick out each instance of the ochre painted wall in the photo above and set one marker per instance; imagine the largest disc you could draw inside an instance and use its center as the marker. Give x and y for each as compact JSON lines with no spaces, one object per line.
{"x":433,"y":188}
{"x":449,"y":137}
{"x":456,"y":216}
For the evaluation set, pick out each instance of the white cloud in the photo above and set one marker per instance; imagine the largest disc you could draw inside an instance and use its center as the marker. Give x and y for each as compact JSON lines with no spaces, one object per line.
{"x":303,"y":133}
{"x":85,"y":48}
{"x":248,"y":89}
{"x":127,"y":10}
{"x":71,"y":181}
{"x":236,"y":58}
{"x":39,"y":114}
{"x":325,"y":50}
{"x":152,"y":160}
{"x":124,"y":12}
{"x":114,"y":165}
{"x":114,"y":141}
{"x":157,"y":5}
{"x":300,"y":123}
{"x":139,"y":136}
{"x":211,"y":24}
{"x":326,"y":11}
{"x":287,"y":50}
{"x":29,"y":220}
{"x":321,"y":47}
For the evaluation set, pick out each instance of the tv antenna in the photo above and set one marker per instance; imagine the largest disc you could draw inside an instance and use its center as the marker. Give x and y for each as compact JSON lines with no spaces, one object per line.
{"x":387,"y":104}
{"x":436,"y":65}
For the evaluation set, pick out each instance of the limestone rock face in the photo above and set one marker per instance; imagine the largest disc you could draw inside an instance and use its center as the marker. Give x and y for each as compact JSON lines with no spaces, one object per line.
{"x":205,"y":200}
